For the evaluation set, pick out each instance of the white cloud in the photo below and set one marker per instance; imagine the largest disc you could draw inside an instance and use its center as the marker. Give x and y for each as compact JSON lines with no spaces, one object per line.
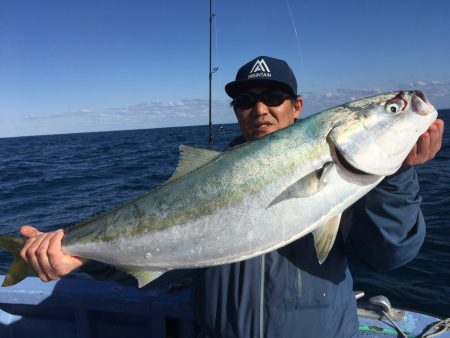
{"x":434,"y":88}
{"x":315,"y":102}
{"x":153,"y":114}
{"x":437,"y":91}
{"x":156,"y":114}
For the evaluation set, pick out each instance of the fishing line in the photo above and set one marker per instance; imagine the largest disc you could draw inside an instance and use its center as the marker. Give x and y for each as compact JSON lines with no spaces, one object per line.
{"x":291,"y":14}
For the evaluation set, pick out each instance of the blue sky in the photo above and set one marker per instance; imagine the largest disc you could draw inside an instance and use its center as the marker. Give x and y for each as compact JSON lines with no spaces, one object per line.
{"x":90,"y":65}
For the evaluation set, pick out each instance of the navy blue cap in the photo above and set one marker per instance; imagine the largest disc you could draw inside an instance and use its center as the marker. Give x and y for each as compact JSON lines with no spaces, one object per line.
{"x":263,"y":71}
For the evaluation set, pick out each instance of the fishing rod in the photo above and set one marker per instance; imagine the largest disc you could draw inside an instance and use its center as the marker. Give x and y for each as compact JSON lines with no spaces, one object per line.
{"x":211,"y":71}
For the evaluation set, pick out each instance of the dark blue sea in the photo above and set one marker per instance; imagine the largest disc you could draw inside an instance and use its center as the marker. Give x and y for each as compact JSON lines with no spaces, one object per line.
{"x":54,"y":181}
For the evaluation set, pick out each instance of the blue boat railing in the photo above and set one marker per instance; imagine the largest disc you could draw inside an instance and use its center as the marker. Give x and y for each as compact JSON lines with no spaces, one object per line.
{"x":86,"y":308}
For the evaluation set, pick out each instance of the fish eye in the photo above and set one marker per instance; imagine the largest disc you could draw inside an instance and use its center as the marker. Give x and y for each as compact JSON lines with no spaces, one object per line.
{"x":393,"y":107}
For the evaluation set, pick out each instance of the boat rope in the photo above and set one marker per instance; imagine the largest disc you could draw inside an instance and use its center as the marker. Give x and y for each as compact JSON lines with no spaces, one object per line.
{"x":437,"y":329}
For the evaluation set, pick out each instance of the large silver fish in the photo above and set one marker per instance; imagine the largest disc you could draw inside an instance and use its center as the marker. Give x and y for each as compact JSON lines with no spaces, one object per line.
{"x":224,"y":207}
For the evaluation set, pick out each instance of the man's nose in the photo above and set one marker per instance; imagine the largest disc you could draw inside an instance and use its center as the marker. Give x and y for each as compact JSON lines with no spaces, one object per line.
{"x":260,"y":109}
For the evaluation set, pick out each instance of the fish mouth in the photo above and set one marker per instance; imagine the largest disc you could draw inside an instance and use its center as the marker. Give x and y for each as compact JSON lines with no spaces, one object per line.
{"x":421,"y":96}
{"x":420,"y":103}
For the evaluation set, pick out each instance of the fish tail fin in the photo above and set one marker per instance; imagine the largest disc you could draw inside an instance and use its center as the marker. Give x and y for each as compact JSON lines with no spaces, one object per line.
{"x":19,"y":269}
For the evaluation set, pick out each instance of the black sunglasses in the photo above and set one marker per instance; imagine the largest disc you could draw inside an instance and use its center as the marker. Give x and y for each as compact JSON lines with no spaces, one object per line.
{"x":271,"y":98}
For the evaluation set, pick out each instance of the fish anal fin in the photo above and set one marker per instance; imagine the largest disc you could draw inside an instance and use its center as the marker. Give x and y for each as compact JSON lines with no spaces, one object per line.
{"x":324,"y":237}
{"x":306,"y":186}
{"x":192,"y":158}
{"x":143,"y":277}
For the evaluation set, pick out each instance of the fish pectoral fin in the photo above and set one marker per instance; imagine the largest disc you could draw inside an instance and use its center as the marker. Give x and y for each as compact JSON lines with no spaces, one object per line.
{"x":306,"y":186}
{"x":192,"y":158}
{"x":324,"y":237}
{"x":143,"y":277}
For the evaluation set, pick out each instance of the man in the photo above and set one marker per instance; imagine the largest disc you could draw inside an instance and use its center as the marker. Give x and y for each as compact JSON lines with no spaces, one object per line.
{"x":286,"y":292}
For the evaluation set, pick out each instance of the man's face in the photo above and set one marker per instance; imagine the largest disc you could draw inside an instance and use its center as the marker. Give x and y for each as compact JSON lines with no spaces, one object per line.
{"x":260,"y":119}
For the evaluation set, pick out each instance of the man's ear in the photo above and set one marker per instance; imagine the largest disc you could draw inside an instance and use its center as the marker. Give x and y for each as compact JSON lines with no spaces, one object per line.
{"x":298,"y":105}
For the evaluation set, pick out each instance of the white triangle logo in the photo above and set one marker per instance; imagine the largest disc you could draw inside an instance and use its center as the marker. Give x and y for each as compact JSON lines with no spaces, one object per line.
{"x":260,"y":66}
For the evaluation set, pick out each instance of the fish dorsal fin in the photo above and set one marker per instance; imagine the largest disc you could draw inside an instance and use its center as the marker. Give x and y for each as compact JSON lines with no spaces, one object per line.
{"x":324,"y":237}
{"x":306,"y":186}
{"x":192,"y":158}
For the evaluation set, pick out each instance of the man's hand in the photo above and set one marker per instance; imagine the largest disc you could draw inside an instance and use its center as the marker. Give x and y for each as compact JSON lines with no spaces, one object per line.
{"x":427,"y":146}
{"x":43,"y":253}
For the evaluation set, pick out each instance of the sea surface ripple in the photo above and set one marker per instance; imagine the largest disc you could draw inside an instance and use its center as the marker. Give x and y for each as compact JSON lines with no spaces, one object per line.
{"x":54,"y":181}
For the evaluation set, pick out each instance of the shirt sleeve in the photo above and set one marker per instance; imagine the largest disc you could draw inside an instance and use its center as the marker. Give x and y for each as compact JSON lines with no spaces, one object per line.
{"x":388,"y":227}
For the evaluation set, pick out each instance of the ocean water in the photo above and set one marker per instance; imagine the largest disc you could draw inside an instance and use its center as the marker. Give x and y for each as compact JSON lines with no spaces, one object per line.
{"x":53,"y":181}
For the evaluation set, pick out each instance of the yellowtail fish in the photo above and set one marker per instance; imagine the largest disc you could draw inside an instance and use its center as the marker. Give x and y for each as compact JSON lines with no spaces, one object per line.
{"x":225,"y":207}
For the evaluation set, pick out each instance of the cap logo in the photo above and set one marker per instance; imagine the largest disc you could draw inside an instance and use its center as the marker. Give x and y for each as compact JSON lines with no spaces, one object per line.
{"x":260,"y":68}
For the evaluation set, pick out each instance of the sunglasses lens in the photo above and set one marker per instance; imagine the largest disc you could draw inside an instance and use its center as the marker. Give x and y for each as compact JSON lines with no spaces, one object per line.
{"x":245,"y":101}
{"x":271,"y":98}
{"x":274,"y":99}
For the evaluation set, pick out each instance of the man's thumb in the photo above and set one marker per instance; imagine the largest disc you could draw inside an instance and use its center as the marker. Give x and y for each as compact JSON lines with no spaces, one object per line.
{"x":29,"y":231}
